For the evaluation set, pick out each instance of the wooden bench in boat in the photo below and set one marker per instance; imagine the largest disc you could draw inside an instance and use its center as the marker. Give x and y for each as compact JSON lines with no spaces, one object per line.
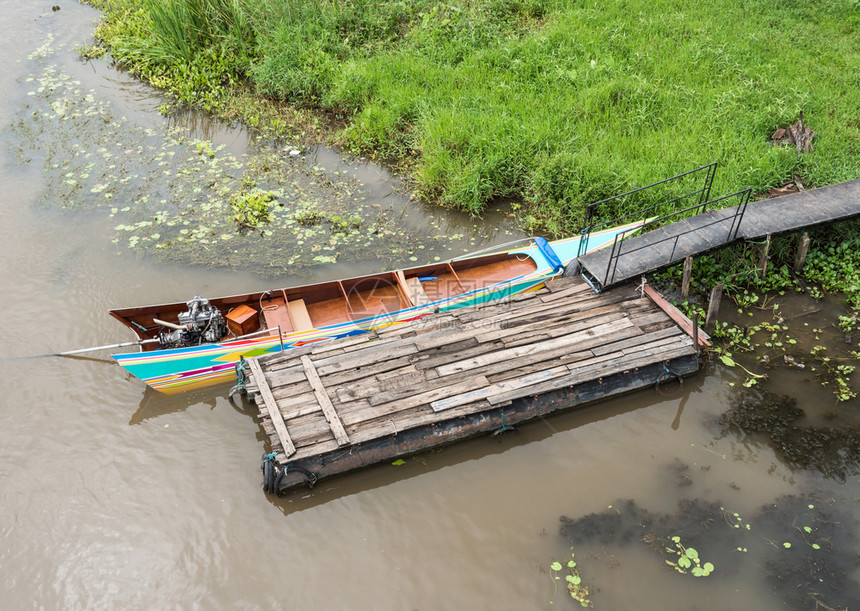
{"x":412,"y":289}
{"x":288,"y":315}
{"x":416,"y":292}
{"x":299,"y":315}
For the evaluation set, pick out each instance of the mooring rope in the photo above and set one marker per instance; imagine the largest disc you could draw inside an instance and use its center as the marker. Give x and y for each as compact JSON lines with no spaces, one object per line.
{"x":312,"y":477}
{"x":241,"y":367}
{"x":505,"y":427}
{"x":665,"y":376}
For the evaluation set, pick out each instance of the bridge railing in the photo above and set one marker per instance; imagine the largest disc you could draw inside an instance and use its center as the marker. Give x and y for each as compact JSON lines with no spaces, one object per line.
{"x":703,"y":194}
{"x":731,"y":235}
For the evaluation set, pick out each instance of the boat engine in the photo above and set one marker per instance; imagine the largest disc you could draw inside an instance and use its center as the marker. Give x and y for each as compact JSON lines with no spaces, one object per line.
{"x":202,"y":323}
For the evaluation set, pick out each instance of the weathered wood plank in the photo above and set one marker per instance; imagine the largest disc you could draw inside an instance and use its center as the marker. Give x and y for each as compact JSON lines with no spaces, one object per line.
{"x":311,"y":429}
{"x":324,"y":401}
{"x":287,"y":400}
{"x":271,"y":407}
{"x":358,"y":373}
{"x":406,"y":377}
{"x":363,"y":358}
{"x":636,"y":340}
{"x":382,"y":402}
{"x":540,"y":348}
{"x":507,"y":385}
{"x":552,"y":331}
{"x":676,"y":315}
{"x":506,"y":329}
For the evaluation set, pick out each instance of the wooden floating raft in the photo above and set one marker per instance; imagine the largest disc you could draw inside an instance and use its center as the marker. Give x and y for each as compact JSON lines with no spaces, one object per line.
{"x":339,"y":405}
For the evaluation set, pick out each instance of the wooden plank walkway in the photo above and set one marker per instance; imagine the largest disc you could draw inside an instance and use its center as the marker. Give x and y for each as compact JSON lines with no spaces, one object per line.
{"x":695,"y":235}
{"x":335,"y":406}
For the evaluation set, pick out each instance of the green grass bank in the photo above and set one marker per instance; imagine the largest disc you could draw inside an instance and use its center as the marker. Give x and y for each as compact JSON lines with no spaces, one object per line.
{"x":554,"y":104}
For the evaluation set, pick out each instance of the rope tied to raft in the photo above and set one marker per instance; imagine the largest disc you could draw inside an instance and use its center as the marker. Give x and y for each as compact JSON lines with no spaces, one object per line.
{"x":312,"y":477}
{"x":505,"y":426}
{"x":665,"y":376}
{"x":241,"y":377}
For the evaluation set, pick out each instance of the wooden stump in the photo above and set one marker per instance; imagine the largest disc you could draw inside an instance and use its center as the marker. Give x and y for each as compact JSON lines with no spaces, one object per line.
{"x":713,"y":307}
{"x":802,"y":250}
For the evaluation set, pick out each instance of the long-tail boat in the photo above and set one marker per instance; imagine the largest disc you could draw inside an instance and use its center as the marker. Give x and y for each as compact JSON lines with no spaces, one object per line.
{"x":194,"y":344}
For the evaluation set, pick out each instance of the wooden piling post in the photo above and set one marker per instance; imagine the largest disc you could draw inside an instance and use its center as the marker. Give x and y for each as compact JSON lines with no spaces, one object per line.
{"x":762,"y":262}
{"x":696,"y":329}
{"x":802,"y":250}
{"x":685,"y":281}
{"x":713,"y":307}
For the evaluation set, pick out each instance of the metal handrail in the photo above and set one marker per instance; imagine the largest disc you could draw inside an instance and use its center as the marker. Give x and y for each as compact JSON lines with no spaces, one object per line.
{"x":704,"y":194}
{"x":732,"y":235}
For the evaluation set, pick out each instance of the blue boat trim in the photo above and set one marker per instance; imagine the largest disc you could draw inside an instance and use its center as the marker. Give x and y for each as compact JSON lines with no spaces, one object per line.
{"x":549,"y":254}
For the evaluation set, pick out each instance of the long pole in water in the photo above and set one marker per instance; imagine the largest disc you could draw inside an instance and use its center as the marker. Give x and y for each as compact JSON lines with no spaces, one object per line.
{"x":93,"y":349}
{"x":137,"y":343}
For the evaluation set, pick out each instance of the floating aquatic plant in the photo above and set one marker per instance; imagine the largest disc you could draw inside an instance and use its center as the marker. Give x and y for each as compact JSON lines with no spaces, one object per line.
{"x":688,"y":559}
{"x":578,"y":591}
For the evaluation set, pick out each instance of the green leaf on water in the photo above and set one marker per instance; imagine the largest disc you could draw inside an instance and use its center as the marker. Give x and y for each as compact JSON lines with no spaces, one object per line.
{"x":399,"y":462}
{"x":727,"y":360}
{"x":786,"y":545}
{"x":555,"y":566}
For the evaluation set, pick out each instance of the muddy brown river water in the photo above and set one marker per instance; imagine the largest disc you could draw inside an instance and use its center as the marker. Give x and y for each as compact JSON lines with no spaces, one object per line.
{"x":114,"y":497}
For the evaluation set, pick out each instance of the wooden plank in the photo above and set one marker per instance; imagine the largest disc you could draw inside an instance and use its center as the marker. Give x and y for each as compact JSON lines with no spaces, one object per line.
{"x":639,"y":339}
{"x":407,"y":377}
{"x":527,"y":367}
{"x":310,"y":429}
{"x":552,"y":331}
{"x":342,"y":377}
{"x":382,"y":405}
{"x":481,"y":393}
{"x":559,"y":289}
{"x":563,"y":321}
{"x":401,"y":281}
{"x":416,"y":292}
{"x":302,"y":411}
{"x":361,"y":358}
{"x":299,"y":315}
{"x":324,"y":401}
{"x":272,"y":408}
{"x":537,"y":349}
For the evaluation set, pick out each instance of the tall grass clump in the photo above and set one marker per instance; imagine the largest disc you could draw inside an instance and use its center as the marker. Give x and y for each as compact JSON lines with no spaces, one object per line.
{"x":556,"y":104}
{"x":196,"y":49}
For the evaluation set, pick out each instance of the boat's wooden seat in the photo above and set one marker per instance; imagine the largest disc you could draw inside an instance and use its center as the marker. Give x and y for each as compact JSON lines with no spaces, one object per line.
{"x":299,"y":314}
{"x":275,"y":314}
{"x":415,"y":292}
{"x":404,"y":288}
